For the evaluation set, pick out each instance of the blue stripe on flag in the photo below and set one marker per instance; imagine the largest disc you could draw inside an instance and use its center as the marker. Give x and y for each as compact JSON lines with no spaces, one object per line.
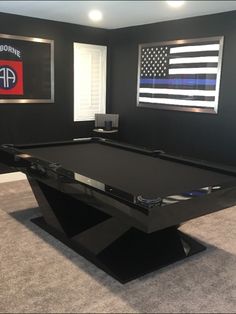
{"x":179,"y":81}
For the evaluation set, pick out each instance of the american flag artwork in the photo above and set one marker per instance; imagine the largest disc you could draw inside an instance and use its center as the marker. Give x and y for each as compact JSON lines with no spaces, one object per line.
{"x":180,"y":75}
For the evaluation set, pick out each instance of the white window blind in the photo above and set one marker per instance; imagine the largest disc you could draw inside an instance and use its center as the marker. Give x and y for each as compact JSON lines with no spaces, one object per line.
{"x":89,"y":81}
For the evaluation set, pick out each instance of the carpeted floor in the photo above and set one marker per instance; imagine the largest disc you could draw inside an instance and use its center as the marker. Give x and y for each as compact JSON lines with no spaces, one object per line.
{"x":38,"y":274}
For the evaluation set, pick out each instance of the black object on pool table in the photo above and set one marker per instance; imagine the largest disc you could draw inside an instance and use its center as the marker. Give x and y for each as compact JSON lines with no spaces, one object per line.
{"x":118,"y":205}
{"x":108,"y":125}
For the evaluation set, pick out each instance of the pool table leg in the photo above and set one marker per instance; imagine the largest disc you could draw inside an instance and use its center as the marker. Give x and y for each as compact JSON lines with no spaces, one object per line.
{"x":122,"y":251}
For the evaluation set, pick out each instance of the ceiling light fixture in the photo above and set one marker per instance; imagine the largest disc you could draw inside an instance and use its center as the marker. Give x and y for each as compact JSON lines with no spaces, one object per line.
{"x":175,"y":4}
{"x":95,"y":15}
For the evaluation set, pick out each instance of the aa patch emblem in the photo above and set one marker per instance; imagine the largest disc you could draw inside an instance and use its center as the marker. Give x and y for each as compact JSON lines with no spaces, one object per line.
{"x":11,"y":77}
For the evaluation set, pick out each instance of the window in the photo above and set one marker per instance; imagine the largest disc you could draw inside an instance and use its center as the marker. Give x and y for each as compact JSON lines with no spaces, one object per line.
{"x":89,"y":81}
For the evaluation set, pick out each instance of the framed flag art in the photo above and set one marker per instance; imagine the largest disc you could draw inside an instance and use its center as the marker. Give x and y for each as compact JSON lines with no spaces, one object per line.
{"x":26,"y":69}
{"x":180,"y":75}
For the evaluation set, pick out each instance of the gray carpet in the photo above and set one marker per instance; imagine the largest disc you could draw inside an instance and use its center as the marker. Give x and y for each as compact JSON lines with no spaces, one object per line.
{"x":38,"y":274}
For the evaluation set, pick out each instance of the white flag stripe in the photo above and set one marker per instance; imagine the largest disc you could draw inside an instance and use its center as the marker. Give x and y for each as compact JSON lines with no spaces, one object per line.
{"x":183,"y":49}
{"x":186,"y":92}
{"x":182,"y":102}
{"x":194,"y":60}
{"x":193,"y":71}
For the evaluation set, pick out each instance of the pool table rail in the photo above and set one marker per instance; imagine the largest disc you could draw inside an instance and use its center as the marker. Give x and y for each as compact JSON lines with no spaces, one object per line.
{"x":124,"y":234}
{"x":147,"y":215}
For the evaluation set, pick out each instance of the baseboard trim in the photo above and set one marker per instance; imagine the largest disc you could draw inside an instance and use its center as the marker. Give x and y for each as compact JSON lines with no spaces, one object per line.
{"x":11,"y":177}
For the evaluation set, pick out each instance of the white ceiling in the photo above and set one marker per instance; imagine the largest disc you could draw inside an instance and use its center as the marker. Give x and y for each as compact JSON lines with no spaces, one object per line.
{"x":116,"y":13}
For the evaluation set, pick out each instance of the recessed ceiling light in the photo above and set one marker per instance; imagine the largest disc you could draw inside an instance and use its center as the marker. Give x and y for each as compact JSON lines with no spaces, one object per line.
{"x":175,"y":4}
{"x":95,"y":15}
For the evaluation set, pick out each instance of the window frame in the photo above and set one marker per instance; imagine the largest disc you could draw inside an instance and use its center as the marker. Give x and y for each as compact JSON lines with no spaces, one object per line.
{"x":103,"y":81}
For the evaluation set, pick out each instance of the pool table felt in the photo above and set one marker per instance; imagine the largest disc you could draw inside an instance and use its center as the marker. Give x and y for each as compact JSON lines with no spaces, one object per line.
{"x":129,"y":171}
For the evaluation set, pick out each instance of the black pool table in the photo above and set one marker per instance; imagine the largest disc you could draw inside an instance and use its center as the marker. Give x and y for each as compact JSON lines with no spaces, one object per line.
{"x":118,"y":205}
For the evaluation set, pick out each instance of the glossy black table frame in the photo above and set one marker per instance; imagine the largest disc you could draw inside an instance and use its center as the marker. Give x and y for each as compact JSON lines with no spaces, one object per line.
{"x":125,"y":235}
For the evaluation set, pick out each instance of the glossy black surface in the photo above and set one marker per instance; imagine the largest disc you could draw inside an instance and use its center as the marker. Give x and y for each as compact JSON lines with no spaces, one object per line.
{"x":197,"y":183}
{"x":119,"y":228}
{"x":133,"y":253}
{"x":111,"y":243}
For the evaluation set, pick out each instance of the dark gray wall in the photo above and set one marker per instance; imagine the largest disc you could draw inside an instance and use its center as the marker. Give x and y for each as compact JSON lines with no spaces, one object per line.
{"x":206,"y":136}
{"x":25,"y":123}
